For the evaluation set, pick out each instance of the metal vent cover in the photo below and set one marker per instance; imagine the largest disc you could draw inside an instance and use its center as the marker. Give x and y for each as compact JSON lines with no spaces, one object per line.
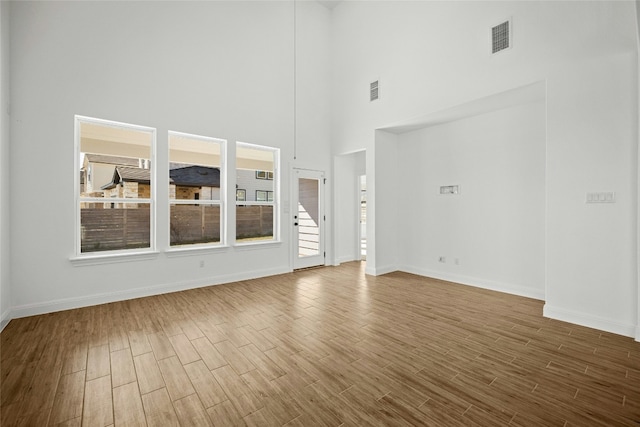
{"x":501,"y":37}
{"x":373,"y":91}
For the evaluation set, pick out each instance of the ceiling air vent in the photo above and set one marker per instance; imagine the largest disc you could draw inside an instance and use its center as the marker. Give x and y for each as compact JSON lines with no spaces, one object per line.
{"x":501,"y":37}
{"x":373,"y":91}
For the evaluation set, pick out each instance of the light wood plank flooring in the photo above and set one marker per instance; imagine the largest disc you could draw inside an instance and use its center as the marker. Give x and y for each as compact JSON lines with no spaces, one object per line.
{"x":328,"y":347}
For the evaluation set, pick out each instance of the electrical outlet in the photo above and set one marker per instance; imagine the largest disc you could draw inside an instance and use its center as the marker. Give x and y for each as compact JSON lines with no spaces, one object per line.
{"x":442,"y":259}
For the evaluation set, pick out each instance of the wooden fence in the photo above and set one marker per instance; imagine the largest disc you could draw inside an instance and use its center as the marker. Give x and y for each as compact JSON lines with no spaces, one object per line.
{"x":254,"y":221}
{"x":112,"y":229}
{"x":194,"y":224}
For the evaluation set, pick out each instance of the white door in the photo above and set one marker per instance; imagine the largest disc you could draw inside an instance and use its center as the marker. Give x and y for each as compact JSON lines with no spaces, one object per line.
{"x":362,"y":210}
{"x":308,"y":218}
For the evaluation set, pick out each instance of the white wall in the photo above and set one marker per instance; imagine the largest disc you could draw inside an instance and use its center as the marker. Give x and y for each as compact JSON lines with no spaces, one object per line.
{"x":312,"y":82}
{"x":383,"y":213}
{"x":591,"y":248}
{"x":312,"y":112}
{"x":587,"y":54}
{"x":219,"y":69}
{"x":421,"y":72}
{"x":494,"y":227}
{"x":5,"y":171}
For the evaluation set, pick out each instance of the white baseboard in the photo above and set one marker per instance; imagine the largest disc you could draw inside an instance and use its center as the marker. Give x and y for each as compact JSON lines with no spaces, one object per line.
{"x":590,"y":321}
{"x":90,"y":300}
{"x":342,"y":260}
{"x":5,"y":319}
{"x":557,"y":313}
{"x":378,"y":271}
{"x":548,"y":311}
{"x":476,"y":282}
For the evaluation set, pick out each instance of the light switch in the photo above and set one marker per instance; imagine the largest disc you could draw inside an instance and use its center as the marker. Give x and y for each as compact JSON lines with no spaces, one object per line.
{"x":601,"y":197}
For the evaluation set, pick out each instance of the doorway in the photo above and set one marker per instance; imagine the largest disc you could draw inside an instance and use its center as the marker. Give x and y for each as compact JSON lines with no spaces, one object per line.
{"x":308,"y":218}
{"x":362,"y":212}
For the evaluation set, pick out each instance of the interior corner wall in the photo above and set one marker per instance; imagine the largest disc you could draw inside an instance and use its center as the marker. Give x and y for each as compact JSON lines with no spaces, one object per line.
{"x":5,"y":167}
{"x":491,"y":234}
{"x":587,"y":52}
{"x":221,"y":69}
{"x":382,"y":205}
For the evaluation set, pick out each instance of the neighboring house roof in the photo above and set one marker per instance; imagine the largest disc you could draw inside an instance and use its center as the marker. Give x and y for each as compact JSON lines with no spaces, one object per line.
{"x":128,"y":174}
{"x":196,"y":176}
{"x":190,"y":176}
{"x":112,"y":160}
{"x":134,"y":174}
{"x":174,"y":165}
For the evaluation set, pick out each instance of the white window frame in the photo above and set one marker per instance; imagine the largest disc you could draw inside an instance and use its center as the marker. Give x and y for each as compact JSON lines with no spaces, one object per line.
{"x":220,"y":203}
{"x":276,"y":195}
{"x":79,"y":255}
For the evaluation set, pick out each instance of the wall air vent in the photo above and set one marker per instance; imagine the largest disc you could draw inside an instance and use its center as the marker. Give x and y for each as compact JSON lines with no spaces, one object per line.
{"x":501,"y":37}
{"x":373,"y":91}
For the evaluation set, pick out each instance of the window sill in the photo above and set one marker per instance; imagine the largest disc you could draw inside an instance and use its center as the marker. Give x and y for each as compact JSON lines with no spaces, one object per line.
{"x":194,"y":250}
{"x":247,"y":246}
{"x":83,"y":260}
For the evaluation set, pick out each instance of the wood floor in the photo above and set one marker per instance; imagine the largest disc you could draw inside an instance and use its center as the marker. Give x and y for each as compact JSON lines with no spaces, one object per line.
{"x":318,"y":347}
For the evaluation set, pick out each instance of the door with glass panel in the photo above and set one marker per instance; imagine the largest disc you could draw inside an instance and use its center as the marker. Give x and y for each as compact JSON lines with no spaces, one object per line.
{"x":308,"y":218}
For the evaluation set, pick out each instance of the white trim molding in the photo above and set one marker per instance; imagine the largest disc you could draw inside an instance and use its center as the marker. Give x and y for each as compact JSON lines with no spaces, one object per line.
{"x":104,"y":298}
{"x":379,"y":271}
{"x":5,"y":319}
{"x":344,"y":259}
{"x":477,"y":282}
{"x":591,"y":321}
{"x":98,"y":258}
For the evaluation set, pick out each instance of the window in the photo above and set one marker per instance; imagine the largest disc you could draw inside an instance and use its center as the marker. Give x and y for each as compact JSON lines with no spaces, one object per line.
{"x":115,"y":204}
{"x":264,"y":196}
{"x":264,"y":175}
{"x":256,"y":216}
{"x":241,"y":195}
{"x":196,"y":186}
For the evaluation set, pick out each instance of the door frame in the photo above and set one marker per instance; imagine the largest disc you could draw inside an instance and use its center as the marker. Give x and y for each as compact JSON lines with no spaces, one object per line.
{"x":321,"y":258}
{"x":359,"y":217}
